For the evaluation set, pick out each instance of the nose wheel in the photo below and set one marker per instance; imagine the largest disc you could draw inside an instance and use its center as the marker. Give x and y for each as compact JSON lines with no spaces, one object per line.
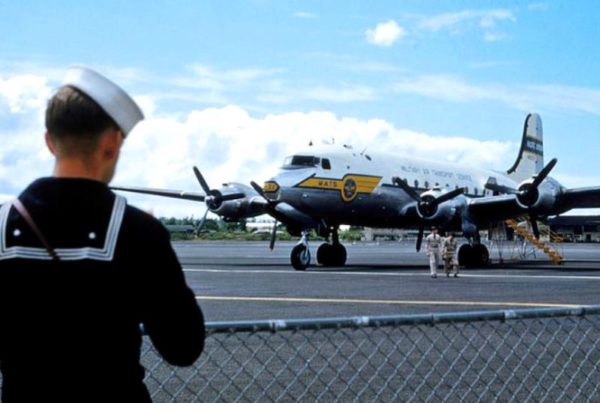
{"x":300,"y":257}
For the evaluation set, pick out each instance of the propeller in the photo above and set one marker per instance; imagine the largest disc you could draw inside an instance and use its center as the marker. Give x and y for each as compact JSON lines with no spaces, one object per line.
{"x":426,"y":205}
{"x":214,"y":197}
{"x":271,"y":206}
{"x":201,"y":223}
{"x":273,"y":236}
{"x":528,"y":193}
{"x":420,"y":237}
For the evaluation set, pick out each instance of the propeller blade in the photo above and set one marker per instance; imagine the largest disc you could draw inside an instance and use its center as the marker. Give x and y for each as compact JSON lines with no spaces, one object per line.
{"x":258,"y":189}
{"x":201,"y":223}
{"x":232,"y":196}
{"x":273,"y":236}
{"x":404,"y":186}
{"x":447,"y":196}
{"x":534,"y":226}
{"x":420,"y":238}
{"x":203,"y":183}
{"x":501,"y":189}
{"x":544,"y":173}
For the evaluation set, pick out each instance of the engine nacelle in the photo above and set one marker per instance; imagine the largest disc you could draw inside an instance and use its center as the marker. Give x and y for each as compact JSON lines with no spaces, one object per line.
{"x":541,"y":200}
{"x":233,"y":210}
{"x":438,"y":213}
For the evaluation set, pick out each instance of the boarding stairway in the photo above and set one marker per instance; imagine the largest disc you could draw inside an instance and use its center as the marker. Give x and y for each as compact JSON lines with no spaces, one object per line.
{"x":549,"y":247}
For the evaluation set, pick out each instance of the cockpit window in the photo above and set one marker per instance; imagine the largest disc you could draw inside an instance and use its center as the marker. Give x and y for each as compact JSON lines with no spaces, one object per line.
{"x":300,"y":161}
{"x":325,"y":163}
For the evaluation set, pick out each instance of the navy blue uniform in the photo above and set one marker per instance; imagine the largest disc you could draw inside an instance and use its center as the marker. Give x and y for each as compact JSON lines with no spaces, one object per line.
{"x":70,"y":330}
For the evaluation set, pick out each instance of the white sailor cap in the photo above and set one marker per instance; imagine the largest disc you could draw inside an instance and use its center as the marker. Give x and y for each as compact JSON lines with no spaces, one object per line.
{"x":110,"y":97}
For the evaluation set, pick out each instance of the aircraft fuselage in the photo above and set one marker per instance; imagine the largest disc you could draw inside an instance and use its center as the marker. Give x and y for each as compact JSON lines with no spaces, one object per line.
{"x":357,"y":189}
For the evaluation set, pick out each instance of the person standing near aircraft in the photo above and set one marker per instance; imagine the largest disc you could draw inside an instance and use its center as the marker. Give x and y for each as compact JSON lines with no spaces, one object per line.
{"x":449,"y":255}
{"x":434,"y":246}
{"x":81,"y":271}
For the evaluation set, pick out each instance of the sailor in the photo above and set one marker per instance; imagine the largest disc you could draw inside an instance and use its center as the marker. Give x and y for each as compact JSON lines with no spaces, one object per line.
{"x":449,"y":255}
{"x":434,"y":251}
{"x":81,"y":271}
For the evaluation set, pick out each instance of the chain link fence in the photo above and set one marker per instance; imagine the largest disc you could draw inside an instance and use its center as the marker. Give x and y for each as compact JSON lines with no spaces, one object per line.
{"x":520,"y":355}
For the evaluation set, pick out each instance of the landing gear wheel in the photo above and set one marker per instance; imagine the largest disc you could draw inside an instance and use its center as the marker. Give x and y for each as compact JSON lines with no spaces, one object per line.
{"x":473,"y":256}
{"x":481,"y":255}
{"x":465,"y":255}
{"x":300,"y":257}
{"x":324,"y":254}
{"x":331,"y":255}
{"x":339,"y":255}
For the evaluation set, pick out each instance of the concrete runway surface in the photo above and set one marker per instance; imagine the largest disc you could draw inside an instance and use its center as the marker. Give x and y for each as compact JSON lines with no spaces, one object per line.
{"x":246,"y":281}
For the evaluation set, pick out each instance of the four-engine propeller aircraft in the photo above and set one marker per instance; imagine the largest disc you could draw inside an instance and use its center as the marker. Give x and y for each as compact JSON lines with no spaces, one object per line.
{"x":327,"y":186}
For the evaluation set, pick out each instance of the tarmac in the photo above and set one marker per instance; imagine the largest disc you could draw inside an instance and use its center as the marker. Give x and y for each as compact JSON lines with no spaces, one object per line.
{"x":237,"y":280}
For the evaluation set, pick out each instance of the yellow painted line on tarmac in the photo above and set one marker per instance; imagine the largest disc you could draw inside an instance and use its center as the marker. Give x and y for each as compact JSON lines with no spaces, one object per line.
{"x":381,"y":301}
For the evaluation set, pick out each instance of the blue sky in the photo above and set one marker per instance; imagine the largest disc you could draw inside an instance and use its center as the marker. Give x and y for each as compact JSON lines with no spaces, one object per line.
{"x":233,"y":86}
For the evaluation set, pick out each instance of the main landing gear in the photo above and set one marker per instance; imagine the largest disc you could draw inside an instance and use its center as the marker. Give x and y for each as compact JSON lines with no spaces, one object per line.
{"x":473,"y":255}
{"x":328,"y":254}
{"x":332,"y":254}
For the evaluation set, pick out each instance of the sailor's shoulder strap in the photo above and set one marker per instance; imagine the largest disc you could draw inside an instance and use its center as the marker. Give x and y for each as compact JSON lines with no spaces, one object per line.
{"x":20,"y":207}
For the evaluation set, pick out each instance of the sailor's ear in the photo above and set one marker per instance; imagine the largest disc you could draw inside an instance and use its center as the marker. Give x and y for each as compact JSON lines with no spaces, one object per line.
{"x":111,"y":143}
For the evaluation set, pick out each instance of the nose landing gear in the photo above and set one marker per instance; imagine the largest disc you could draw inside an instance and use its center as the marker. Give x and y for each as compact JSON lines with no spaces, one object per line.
{"x":300,"y":255}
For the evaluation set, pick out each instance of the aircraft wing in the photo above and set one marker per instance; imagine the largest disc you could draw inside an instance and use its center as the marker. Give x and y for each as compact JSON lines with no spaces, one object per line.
{"x":581,"y":198}
{"x":494,"y":208}
{"x":176,"y":194}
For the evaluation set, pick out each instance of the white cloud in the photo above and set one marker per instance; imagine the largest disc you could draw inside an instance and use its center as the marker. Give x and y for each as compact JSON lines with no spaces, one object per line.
{"x":385,"y":34}
{"x":206,"y":77}
{"x":304,"y":14}
{"x":537,"y":7}
{"x":448,"y":88}
{"x":493,"y":36}
{"x":467,"y":20}
{"x":526,"y":97}
{"x":23,"y":154}
{"x":454,"y":21}
{"x":23,"y":92}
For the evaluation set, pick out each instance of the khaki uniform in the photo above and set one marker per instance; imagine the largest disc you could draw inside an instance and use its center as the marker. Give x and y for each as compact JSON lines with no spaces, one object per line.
{"x":449,"y":255}
{"x":434,"y":250}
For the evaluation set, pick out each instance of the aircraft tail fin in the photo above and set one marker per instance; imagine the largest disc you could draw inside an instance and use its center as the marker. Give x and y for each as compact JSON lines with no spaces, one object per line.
{"x":530,"y":160}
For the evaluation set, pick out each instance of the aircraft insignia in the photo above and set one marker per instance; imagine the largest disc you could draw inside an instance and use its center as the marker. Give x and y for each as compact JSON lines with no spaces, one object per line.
{"x":270,"y":187}
{"x":349,"y":186}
